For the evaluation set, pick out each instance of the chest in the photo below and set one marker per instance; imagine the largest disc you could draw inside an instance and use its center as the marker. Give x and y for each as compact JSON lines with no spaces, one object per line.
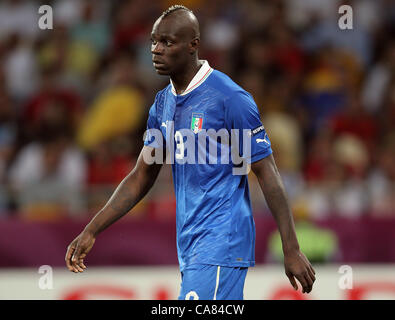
{"x":199,"y":114}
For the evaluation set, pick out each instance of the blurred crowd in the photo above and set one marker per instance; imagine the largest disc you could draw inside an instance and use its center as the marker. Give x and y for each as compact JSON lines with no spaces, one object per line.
{"x":74,"y":100}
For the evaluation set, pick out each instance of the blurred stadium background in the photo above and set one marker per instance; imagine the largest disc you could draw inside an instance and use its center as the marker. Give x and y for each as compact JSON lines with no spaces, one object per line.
{"x":73,"y":107}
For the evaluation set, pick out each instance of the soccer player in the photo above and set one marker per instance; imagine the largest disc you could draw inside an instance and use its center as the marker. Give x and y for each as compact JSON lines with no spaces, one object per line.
{"x":215,"y":226}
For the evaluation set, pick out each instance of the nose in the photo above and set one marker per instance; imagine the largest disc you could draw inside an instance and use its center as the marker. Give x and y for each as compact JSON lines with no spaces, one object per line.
{"x":156,"y":48}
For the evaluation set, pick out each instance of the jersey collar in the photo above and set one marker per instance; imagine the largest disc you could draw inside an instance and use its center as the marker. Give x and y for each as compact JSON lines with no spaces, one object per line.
{"x":203,"y":73}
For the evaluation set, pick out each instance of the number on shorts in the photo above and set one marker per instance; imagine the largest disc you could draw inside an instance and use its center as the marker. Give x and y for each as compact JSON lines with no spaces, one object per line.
{"x":192,"y":294}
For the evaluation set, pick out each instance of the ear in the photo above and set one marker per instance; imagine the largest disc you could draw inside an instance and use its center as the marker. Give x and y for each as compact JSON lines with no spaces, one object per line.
{"x":194,"y":45}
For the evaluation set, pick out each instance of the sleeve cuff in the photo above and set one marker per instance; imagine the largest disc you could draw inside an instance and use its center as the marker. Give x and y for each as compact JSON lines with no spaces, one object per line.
{"x":260,"y":156}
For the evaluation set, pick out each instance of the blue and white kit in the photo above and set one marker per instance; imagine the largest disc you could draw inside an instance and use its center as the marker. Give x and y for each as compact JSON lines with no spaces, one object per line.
{"x":215,"y":226}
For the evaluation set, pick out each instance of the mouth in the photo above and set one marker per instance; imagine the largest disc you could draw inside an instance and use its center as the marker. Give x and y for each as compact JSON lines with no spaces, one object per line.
{"x":158,"y":64}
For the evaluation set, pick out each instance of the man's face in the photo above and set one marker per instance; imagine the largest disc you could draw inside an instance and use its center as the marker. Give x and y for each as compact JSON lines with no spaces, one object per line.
{"x":170,"y":46}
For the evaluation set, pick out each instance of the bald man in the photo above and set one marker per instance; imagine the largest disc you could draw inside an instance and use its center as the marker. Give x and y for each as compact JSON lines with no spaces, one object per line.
{"x":200,"y":113}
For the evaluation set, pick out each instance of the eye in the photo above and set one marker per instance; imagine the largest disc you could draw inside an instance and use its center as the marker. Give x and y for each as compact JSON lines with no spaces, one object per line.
{"x":153,"y":42}
{"x":169,"y":43}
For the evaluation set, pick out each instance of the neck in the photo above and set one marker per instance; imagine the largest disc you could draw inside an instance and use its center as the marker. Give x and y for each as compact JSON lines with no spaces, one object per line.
{"x":181,"y":80}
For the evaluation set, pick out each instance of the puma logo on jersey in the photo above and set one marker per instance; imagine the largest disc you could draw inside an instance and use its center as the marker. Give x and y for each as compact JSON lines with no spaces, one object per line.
{"x":261,"y":140}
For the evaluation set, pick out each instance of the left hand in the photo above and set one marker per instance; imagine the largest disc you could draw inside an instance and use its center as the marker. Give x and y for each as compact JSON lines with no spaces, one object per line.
{"x":297,"y":266}
{"x":77,"y":251}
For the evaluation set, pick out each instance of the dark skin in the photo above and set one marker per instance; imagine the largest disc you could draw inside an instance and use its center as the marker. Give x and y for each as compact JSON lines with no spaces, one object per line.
{"x":175,"y":43}
{"x":295,"y":262}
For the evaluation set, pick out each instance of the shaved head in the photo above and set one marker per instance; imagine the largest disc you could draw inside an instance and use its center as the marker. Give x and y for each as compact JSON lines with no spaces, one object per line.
{"x":175,"y":8}
{"x":183,"y":20}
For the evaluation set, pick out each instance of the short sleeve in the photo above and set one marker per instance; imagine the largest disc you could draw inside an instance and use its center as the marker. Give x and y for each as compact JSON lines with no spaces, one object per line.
{"x":153,"y":136}
{"x":242,"y":114}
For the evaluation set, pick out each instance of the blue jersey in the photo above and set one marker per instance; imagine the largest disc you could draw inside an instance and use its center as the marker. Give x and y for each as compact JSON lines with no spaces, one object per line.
{"x":214,"y":217}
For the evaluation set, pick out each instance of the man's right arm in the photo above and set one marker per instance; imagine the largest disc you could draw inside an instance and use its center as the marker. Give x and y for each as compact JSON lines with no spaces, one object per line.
{"x":128,"y":193}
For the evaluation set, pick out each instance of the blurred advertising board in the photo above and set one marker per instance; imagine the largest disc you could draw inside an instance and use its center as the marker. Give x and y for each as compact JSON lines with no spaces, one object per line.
{"x":264,"y":282}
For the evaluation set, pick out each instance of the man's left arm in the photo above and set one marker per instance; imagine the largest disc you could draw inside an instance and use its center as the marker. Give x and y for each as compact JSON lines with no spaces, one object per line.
{"x":295,"y":262}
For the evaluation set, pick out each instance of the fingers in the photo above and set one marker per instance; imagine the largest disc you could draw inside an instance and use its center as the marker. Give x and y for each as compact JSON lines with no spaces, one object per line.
{"x":310,"y":282}
{"x":298,"y":266}
{"x":306,"y":278}
{"x":81,"y":261}
{"x":69,"y":254}
{"x":77,"y":251}
{"x":304,"y":281}
{"x":82,"y":264}
{"x":311,"y":273}
{"x":311,"y":268}
{"x":292,"y":280}
{"x":75,"y":259}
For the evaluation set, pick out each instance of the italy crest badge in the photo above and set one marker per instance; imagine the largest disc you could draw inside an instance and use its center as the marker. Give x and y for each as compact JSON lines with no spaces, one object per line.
{"x":197,"y":122}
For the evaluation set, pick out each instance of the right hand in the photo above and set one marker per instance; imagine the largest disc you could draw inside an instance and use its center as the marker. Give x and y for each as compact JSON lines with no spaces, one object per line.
{"x":299,"y":267}
{"x":77,"y":251}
